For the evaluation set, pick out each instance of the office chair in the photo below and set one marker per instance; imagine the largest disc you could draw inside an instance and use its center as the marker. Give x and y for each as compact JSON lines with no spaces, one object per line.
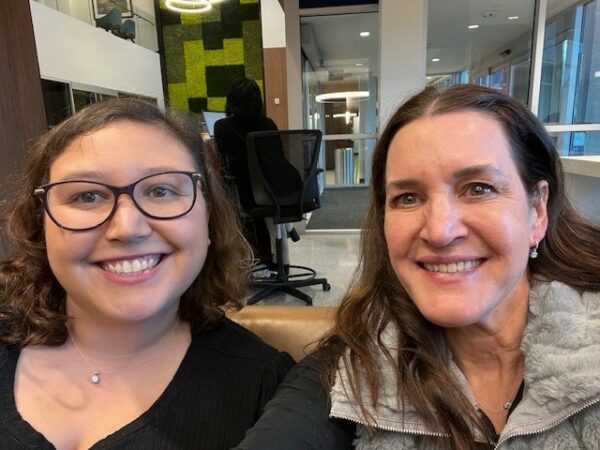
{"x":283,"y":174}
{"x":127,"y":30}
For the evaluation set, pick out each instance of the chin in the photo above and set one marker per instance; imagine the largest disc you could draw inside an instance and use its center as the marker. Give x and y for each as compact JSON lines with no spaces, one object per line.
{"x":451,"y":320}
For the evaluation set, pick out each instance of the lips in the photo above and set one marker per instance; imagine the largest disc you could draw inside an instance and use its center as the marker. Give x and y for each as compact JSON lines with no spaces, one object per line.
{"x":454,"y":267}
{"x":131,"y":266}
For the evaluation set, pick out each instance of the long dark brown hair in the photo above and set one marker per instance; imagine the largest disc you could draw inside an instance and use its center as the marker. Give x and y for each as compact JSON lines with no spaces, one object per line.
{"x":568,"y":253}
{"x":32,"y":302}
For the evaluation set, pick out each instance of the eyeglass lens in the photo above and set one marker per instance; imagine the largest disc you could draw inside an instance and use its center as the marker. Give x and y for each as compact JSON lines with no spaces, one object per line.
{"x":82,"y":204}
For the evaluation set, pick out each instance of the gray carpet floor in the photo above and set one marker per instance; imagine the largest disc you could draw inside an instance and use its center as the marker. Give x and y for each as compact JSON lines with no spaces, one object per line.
{"x":341,"y":209}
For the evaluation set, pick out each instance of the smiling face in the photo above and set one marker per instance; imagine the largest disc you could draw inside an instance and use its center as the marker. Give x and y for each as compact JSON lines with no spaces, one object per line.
{"x":132,"y":268}
{"x":458,"y":222}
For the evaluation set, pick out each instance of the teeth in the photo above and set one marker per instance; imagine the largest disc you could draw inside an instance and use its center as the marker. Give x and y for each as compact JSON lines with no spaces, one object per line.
{"x":461,"y":266}
{"x":130,"y":266}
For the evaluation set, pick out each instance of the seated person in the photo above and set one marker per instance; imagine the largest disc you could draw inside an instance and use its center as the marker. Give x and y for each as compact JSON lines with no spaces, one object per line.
{"x":473,"y":320}
{"x":112,"y":326}
{"x":245,"y":114}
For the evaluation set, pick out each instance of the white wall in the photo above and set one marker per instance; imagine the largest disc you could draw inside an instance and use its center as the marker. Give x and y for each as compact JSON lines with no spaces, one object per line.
{"x":402,"y":53}
{"x":71,"y":50}
{"x":273,"y":24}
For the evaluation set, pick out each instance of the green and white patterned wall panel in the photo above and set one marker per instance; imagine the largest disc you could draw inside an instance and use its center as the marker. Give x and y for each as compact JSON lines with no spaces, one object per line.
{"x":205,"y":53}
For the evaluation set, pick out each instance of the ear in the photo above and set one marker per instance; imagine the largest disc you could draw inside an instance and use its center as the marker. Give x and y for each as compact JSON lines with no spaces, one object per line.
{"x":539,"y":213}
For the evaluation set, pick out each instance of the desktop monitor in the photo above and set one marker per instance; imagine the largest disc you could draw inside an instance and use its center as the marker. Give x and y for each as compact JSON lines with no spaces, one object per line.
{"x":209,"y":119}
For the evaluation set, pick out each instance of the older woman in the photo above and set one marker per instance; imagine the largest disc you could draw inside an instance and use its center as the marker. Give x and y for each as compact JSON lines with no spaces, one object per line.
{"x":474,"y":318}
{"x":112,"y":323}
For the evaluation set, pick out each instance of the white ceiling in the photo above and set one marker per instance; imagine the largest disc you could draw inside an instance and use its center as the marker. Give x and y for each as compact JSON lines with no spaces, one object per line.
{"x":337,"y":44}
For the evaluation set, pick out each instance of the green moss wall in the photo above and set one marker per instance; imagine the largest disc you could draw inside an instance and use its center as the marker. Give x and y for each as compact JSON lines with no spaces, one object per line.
{"x":205,"y":53}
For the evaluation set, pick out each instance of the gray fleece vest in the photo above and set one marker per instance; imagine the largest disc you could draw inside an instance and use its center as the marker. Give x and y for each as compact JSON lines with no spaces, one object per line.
{"x":560,"y":408}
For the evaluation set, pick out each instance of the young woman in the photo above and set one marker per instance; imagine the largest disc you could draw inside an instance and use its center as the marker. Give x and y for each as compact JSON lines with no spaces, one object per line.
{"x":112,"y":308}
{"x":473,"y":322}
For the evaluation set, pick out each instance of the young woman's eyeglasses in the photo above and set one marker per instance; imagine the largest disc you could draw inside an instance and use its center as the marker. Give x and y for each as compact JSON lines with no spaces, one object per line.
{"x":79,"y":205}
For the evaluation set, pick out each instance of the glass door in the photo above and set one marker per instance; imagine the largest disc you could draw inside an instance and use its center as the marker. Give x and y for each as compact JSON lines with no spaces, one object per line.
{"x":339,"y":70}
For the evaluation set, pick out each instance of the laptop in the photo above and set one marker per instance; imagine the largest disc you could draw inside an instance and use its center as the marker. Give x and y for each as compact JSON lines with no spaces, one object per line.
{"x":209,"y":119}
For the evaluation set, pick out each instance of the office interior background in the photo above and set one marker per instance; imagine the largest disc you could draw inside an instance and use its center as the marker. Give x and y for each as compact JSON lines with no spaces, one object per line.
{"x":339,"y":66}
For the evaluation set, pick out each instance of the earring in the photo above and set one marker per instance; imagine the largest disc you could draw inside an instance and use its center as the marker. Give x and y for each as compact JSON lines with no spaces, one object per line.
{"x":533,"y":253}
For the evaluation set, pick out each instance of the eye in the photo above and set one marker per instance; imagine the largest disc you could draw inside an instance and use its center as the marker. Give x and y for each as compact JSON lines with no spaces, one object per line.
{"x":88,"y":197}
{"x":405,"y":199}
{"x":161,"y":192}
{"x":480,"y":189}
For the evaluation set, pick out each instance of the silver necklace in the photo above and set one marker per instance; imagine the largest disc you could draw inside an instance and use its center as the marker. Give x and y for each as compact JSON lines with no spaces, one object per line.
{"x":97,"y":374}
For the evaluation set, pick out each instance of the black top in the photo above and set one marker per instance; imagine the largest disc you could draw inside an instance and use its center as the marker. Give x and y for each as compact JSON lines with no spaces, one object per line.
{"x":218,"y":392}
{"x":298,"y":416}
{"x":230,"y":135}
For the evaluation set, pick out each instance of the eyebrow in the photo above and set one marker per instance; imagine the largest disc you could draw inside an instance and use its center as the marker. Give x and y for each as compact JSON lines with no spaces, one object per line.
{"x":467,"y":172}
{"x":94,"y":175}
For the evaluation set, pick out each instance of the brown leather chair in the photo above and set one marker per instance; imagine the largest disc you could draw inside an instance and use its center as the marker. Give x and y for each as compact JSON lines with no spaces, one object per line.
{"x":292,"y":329}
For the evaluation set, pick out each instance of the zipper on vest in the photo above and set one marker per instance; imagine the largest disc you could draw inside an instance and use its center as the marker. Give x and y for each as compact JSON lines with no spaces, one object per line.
{"x":386,"y":428}
{"x":547,"y":427}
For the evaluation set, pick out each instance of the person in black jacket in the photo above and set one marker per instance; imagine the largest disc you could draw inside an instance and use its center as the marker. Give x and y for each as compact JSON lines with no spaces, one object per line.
{"x":113,"y":332}
{"x":245,"y":113}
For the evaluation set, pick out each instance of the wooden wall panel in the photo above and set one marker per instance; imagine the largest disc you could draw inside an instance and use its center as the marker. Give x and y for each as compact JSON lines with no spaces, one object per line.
{"x":22,"y":115}
{"x":276,"y":86}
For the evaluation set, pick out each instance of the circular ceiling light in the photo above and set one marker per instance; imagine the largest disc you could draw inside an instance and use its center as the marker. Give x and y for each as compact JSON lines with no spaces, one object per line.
{"x":189,"y":6}
{"x":333,"y":97}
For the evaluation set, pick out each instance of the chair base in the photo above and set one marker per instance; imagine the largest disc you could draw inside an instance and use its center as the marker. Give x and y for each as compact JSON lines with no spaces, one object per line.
{"x":282,"y":282}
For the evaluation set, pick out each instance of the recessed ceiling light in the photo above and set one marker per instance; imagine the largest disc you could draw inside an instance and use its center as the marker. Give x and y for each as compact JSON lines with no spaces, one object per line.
{"x":429,"y":78}
{"x":365,"y":34}
{"x":472,"y":27}
{"x":513,"y":17}
{"x":358,"y":64}
{"x":597,"y":74}
{"x":435,"y":59}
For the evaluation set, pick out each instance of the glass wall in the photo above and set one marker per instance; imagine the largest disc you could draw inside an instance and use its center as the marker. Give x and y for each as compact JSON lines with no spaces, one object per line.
{"x":492,"y":46}
{"x":340,"y":92}
{"x":570,"y":85}
{"x":489,"y":44}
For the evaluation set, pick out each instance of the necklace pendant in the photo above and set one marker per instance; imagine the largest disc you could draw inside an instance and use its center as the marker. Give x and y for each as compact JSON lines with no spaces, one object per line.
{"x":507,"y":405}
{"x":95,"y":378}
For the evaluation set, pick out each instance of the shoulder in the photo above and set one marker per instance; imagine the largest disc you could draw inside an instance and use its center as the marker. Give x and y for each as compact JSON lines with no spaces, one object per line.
{"x":229,"y":339}
{"x":222,"y":123}
{"x":270,"y":124}
{"x":555,"y":305}
{"x":3,"y":354}
{"x":6,"y":352}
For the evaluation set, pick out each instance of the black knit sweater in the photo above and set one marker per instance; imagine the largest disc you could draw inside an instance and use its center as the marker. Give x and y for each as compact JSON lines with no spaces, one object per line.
{"x":218,"y":392}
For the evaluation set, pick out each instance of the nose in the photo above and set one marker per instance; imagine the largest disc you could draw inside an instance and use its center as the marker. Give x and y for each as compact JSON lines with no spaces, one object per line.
{"x":127,"y":224}
{"x":443,"y":222}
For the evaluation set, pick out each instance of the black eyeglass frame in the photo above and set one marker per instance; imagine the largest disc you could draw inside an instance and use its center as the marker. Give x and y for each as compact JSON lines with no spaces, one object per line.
{"x":42,"y":193}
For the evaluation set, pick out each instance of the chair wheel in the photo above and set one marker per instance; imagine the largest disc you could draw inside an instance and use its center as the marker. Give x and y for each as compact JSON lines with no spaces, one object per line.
{"x":326,"y":287}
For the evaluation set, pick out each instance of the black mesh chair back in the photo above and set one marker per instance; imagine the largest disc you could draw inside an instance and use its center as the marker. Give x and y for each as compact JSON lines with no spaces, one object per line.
{"x":283,"y":173}
{"x":283,"y":176}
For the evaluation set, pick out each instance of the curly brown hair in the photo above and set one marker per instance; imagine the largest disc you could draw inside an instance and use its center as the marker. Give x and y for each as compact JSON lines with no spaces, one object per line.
{"x":32,"y":302}
{"x":568,"y":253}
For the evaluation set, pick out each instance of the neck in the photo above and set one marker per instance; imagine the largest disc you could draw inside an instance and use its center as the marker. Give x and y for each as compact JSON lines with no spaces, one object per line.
{"x":491,"y":359}
{"x":114,"y":343}
{"x":494,"y":343}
